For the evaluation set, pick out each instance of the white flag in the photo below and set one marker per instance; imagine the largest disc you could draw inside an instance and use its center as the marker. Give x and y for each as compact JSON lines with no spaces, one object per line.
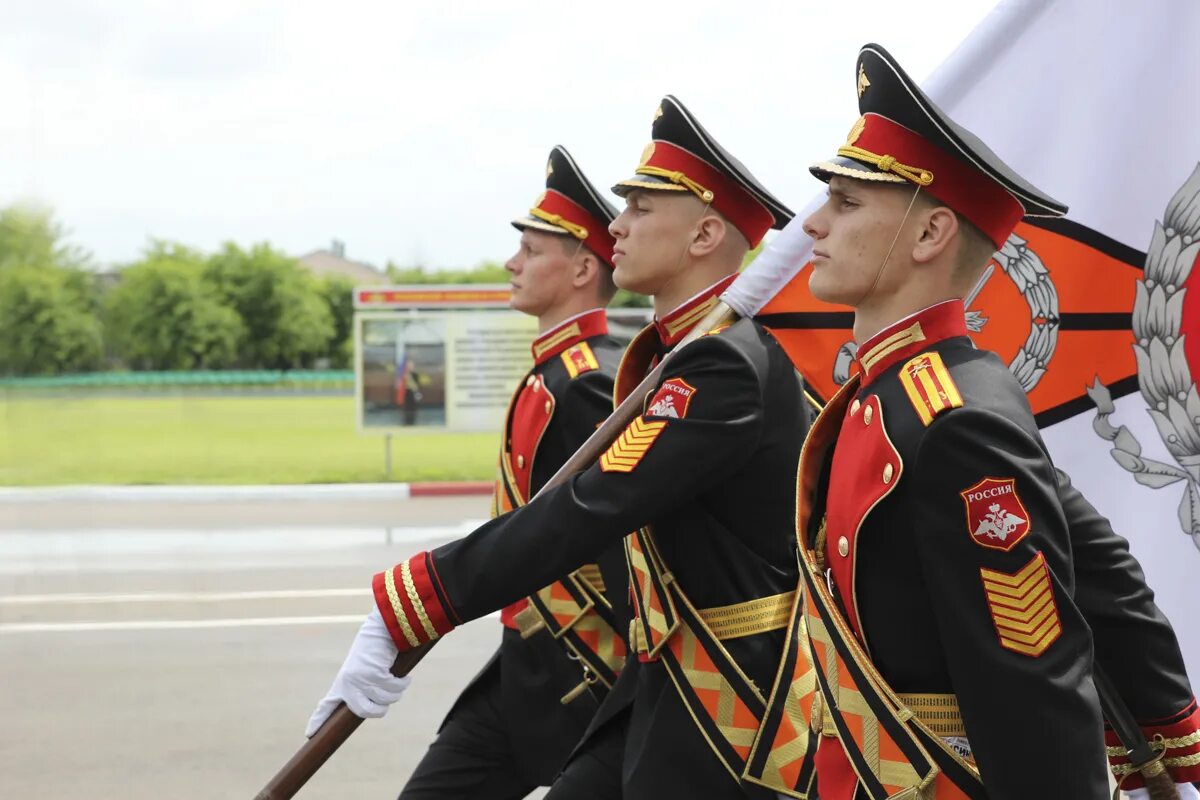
{"x":1098,"y":314}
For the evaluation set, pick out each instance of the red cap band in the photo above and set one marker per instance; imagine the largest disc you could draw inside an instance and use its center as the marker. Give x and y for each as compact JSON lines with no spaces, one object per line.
{"x":736,"y":204}
{"x":598,"y":240}
{"x":956,"y":183}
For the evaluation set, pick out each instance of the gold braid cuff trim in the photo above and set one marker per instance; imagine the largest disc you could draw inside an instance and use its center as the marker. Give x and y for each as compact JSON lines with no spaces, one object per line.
{"x":919,"y":176}
{"x":1121,"y":770}
{"x":1179,"y":741}
{"x":410,"y":589}
{"x":389,"y":583}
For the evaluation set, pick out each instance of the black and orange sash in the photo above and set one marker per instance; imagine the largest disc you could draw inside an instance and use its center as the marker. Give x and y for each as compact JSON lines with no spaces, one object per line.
{"x":573,"y":610}
{"x":724,"y":703}
{"x":827,"y":679}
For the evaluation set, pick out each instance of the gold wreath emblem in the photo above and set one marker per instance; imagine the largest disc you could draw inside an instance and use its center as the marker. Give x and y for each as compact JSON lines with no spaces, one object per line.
{"x":646,"y":154}
{"x":856,"y":130}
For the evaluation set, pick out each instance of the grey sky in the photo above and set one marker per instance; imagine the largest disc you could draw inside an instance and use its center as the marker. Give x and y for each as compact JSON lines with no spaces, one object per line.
{"x":414,"y":132}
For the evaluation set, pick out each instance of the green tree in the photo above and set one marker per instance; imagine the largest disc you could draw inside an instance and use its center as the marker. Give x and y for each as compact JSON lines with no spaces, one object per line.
{"x":164,"y":315}
{"x":484,"y":272}
{"x":338,"y":292}
{"x":47,"y":325}
{"x":30,"y":237}
{"x":286,"y":320}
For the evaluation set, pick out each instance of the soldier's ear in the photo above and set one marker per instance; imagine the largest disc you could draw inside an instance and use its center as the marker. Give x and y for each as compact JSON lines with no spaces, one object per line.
{"x":937,"y":230}
{"x":586,"y":267}
{"x":709,"y":234}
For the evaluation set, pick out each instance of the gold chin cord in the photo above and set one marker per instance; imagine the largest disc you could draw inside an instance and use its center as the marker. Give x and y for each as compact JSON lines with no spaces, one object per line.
{"x":891,"y":247}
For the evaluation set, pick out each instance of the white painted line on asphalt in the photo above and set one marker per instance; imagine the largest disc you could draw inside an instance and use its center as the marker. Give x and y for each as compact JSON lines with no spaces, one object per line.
{"x":203,"y":494}
{"x":178,"y":597}
{"x":180,"y":624}
{"x":175,"y":624}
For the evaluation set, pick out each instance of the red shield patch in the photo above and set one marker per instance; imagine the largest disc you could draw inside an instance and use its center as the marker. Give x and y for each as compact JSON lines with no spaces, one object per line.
{"x":996,"y":517}
{"x":671,"y":400}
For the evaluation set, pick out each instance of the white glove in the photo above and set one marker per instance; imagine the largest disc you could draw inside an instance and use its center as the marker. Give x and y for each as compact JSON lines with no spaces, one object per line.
{"x":365,"y":682}
{"x":1186,"y":792}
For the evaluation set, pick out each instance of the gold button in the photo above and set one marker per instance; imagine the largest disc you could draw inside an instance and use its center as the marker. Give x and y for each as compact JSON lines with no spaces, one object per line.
{"x":854,"y":407}
{"x":529,"y":381}
{"x":887,"y":473}
{"x":520,"y":462}
{"x":867,"y":414}
{"x":843,"y":546}
{"x":549,"y":406}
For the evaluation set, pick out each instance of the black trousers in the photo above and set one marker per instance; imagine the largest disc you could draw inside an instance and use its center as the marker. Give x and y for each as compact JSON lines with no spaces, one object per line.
{"x":472,"y":757}
{"x":595,"y":770}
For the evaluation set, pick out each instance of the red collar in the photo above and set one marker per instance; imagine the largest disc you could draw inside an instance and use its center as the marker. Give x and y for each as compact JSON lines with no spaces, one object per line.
{"x":675,"y":325}
{"x":569,"y":332}
{"x":911,"y":335}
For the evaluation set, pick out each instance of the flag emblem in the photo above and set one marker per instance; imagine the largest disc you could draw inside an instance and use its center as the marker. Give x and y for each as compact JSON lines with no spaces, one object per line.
{"x":1165,"y":322}
{"x":996,"y":517}
{"x":671,"y":400}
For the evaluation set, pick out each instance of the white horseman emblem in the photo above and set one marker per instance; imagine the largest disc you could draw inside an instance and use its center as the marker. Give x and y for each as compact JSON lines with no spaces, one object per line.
{"x":998,"y":523}
{"x":1164,"y":374}
{"x":663,"y":407}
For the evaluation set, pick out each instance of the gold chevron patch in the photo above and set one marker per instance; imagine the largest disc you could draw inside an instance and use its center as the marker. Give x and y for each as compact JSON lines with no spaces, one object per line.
{"x":1023,"y":608}
{"x":627,"y":451}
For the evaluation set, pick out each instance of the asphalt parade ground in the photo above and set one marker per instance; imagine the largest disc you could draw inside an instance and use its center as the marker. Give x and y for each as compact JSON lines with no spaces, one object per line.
{"x":172,"y":644}
{"x":167,"y":648}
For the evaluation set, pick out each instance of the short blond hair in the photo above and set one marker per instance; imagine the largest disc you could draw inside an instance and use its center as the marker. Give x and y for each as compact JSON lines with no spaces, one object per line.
{"x":975,"y":248}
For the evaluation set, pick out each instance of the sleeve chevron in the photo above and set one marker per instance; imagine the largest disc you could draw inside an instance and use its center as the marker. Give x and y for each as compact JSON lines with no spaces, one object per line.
{"x":627,"y":451}
{"x":411,"y":604}
{"x":1023,"y":608}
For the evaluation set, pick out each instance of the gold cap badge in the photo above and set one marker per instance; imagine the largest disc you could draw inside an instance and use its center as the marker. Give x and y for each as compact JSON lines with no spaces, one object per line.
{"x":863,"y":83}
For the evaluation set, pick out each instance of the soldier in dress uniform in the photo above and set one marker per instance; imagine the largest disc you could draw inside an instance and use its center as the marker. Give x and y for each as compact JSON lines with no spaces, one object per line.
{"x":695,"y":477}
{"x":514,"y":725}
{"x":938,"y":565}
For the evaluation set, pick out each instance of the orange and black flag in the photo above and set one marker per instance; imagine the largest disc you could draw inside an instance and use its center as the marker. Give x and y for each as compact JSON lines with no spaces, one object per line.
{"x":1097,"y":313}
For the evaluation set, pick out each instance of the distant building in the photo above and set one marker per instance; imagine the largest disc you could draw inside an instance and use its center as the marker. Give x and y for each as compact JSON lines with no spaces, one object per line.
{"x":334,"y":262}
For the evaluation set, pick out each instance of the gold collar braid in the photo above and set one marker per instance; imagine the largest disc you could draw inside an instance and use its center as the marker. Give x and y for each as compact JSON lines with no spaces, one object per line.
{"x":677,"y":178}
{"x":921,"y":177}
{"x":578,"y":231}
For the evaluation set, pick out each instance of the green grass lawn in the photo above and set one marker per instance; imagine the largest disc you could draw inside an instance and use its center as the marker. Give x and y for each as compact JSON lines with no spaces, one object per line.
{"x":238,"y":440}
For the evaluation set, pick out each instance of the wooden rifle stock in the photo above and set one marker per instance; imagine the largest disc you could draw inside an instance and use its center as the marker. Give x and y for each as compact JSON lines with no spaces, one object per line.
{"x":343,"y":722}
{"x":328,"y":738}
